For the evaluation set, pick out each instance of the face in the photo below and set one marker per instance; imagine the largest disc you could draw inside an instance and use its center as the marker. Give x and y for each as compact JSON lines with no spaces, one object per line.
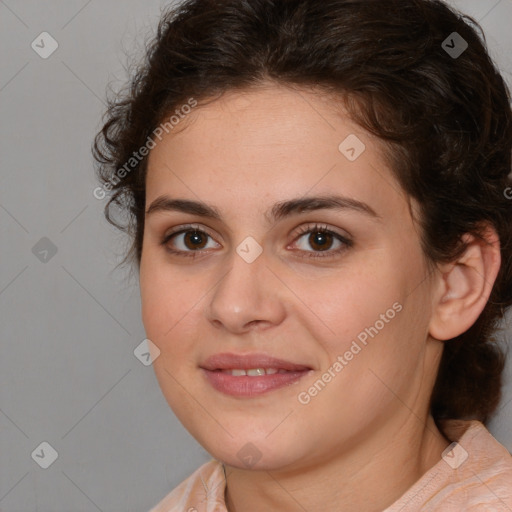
{"x":275,"y":241}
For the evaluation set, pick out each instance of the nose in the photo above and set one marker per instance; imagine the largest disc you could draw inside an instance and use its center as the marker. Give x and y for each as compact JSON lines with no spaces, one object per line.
{"x":248,"y":297}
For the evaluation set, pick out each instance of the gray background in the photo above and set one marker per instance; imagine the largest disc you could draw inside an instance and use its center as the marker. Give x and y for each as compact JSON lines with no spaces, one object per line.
{"x":70,"y":324}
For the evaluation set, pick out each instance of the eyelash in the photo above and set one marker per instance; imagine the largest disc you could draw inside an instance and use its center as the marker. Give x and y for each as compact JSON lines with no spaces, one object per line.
{"x":316,"y":228}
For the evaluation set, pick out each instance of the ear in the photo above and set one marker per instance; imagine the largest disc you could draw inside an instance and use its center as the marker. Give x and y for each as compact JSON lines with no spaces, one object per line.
{"x":465,"y":285}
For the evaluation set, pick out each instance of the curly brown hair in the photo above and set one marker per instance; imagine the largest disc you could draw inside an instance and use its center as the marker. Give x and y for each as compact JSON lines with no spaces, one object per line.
{"x":444,"y":118}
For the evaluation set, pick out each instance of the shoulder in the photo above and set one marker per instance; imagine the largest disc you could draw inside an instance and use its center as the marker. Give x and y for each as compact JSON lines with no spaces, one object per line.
{"x":202,"y":491}
{"x":488,"y":473}
{"x":474,"y":474}
{"x":479,"y":453}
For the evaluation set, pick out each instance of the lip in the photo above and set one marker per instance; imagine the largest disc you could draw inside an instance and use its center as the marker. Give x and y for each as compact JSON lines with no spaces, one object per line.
{"x":246,"y":386}
{"x":227,"y":361}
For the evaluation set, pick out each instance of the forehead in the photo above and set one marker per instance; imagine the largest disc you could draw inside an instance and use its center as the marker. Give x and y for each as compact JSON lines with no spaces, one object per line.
{"x":267,"y":143}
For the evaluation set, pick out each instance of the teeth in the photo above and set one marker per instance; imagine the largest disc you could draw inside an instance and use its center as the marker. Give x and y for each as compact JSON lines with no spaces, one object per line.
{"x":256,"y":371}
{"x":253,"y":372}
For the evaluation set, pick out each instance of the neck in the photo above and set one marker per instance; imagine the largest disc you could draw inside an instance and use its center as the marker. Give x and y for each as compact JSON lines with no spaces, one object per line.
{"x":368,"y":477}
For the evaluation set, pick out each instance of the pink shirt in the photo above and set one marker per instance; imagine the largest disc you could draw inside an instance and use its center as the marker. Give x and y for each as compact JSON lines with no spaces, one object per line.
{"x":474,"y":474}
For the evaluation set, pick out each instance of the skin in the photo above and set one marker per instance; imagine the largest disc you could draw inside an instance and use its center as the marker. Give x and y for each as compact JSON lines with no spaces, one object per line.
{"x":366,"y":437}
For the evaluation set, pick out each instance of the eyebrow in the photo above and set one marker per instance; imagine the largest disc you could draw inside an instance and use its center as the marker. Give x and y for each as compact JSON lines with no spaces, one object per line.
{"x":277,"y":212}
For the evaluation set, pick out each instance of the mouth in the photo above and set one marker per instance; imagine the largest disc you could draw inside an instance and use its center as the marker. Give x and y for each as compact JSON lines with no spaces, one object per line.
{"x":252,"y":372}
{"x":248,"y":375}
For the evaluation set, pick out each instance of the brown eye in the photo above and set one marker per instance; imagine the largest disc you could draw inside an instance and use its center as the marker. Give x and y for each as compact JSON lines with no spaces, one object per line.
{"x":320,"y":240}
{"x":188,"y":241}
{"x":195,"y":240}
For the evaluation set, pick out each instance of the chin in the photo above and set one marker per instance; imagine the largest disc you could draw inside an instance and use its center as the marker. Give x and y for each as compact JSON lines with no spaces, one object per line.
{"x":253,"y":452}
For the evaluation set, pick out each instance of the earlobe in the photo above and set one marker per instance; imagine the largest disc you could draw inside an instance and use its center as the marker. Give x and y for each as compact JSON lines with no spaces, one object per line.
{"x":465,"y":286}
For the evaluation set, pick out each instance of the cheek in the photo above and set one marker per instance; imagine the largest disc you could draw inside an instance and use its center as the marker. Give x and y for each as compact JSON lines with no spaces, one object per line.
{"x":368,"y":312}
{"x":166,"y":297}
{"x":171,"y":309}
{"x":167,"y":314}
{"x":153,"y":297}
{"x":352,"y":300}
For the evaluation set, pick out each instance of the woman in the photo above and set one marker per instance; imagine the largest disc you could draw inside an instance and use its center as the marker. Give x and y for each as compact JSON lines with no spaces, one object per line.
{"x":317,"y":195}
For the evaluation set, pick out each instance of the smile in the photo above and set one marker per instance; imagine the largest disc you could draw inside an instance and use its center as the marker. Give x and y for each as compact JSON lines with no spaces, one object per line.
{"x":253,"y":372}
{"x":250,"y":375}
